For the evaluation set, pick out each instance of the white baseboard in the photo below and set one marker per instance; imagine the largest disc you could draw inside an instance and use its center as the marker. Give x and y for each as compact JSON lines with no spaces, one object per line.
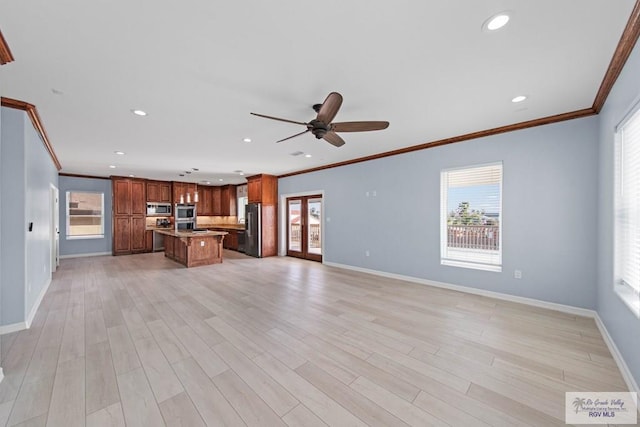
{"x":36,"y":304}
{"x":84,"y":255}
{"x":617,"y":356}
{"x":14,"y":327}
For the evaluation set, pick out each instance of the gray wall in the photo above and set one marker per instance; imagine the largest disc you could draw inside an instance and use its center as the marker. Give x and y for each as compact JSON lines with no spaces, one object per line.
{"x":622,"y":325}
{"x":41,"y":173}
{"x":549,"y":212}
{"x":85,"y":246}
{"x":27,"y":173}
{"x":13,"y":182}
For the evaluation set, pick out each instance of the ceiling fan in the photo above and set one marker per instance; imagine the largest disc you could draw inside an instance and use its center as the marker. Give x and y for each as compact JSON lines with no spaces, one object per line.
{"x":322,"y":127}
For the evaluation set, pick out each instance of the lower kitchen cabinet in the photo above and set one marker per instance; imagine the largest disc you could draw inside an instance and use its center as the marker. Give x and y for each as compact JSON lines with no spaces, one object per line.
{"x":148,"y":241}
{"x":129,"y":234}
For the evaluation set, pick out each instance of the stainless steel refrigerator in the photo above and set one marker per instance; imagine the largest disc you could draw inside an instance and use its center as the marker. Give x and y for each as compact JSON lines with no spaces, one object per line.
{"x":252,"y":226}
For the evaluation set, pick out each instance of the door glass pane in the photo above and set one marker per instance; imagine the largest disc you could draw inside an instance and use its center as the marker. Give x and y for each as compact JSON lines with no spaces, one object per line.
{"x":295,"y":234}
{"x":314,"y":232}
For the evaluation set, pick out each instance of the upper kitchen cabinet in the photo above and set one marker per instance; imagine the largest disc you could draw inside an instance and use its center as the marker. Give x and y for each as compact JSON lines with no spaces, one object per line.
{"x":228,"y":200}
{"x":129,"y":196}
{"x":263,"y":189}
{"x":216,"y":201}
{"x":185,"y":189}
{"x":159,"y":192}
{"x":205,"y":203}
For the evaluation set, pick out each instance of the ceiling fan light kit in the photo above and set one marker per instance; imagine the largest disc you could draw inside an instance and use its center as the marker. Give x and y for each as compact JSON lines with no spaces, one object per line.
{"x":323,"y":128}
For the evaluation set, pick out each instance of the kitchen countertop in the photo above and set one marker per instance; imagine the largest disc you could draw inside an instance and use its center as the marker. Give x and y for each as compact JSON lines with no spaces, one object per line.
{"x":223,"y":226}
{"x":174,"y":233}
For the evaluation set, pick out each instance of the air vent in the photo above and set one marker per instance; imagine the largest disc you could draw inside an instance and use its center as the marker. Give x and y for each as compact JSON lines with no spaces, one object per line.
{"x":297,"y":153}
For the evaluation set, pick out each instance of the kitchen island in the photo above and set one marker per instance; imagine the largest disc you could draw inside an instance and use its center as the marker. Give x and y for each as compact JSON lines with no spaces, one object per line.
{"x":193,"y":249}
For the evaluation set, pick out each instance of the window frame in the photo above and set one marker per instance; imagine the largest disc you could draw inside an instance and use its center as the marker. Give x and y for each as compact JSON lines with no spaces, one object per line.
{"x":68,"y":236}
{"x":628,"y":294}
{"x":444,"y":212}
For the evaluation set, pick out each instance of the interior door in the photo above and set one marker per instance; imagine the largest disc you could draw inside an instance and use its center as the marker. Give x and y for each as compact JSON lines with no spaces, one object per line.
{"x":304,"y":227}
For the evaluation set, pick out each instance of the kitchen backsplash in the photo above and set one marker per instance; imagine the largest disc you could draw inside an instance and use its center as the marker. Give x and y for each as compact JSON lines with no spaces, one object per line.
{"x":221,"y":220}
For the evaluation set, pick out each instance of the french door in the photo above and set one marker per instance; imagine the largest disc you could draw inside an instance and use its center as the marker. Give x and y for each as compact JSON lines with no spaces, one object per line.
{"x":304,"y":227}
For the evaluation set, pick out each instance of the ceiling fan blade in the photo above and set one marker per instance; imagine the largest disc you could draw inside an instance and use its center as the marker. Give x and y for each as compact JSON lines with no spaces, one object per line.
{"x":330,"y":107}
{"x":333,"y":139}
{"x":277,"y":118}
{"x":358,"y":126}
{"x":293,"y":136}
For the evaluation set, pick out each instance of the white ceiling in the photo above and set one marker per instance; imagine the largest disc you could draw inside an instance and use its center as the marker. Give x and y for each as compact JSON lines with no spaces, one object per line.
{"x":198,"y":67}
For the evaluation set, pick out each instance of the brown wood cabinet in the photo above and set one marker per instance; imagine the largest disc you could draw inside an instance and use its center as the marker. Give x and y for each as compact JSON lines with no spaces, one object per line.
{"x":216,"y":201}
{"x":263,"y":189}
{"x":181,"y":189}
{"x":129,"y":210}
{"x":205,"y":204}
{"x":228,"y":200}
{"x":148,"y":241}
{"x":159,"y":191}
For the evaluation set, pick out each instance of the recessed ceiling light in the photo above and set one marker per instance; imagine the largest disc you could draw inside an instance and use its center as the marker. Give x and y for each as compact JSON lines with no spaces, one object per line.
{"x":112,"y":166}
{"x":247,"y":140}
{"x":187,"y":172}
{"x":131,"y":175}
{"x":195,"y":169}
{"x":57,"y":92}
{"x":496,"y":22}
{"x":180,"y":174}
{"x":206,"y":182}
{"x":519,"y":98}
{"x":241,"y":173}
{"x":307,"y":155}
{"x":119,"y":153}
{"x":220,"y":179}
{"x":139,"y":112}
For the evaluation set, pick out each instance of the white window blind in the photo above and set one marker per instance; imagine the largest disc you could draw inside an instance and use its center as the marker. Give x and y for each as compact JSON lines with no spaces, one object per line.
{"x":627,"y":209}
{"x":471,"y":217}
{"x":85,"y":215}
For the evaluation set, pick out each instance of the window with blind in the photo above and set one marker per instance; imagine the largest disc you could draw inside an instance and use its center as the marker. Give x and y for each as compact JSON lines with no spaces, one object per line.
{"x":627,"y":211}
{"x":471,"y":217}
{"x":85,"y":215}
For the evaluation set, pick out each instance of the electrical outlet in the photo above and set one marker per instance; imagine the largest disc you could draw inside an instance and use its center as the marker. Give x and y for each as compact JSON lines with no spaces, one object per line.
{"x":366,"y":253}
{"x":366,"y":193}
{"x":201,"y":242}
{"x":374,"y":193}
{"x":517,"y":274}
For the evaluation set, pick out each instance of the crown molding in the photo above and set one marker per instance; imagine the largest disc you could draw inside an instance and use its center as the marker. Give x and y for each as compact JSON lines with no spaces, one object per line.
{"x":466,"y":137}
{"x":32,"y":112}
{"x":5,"y":52}
{"x":623,"y":50}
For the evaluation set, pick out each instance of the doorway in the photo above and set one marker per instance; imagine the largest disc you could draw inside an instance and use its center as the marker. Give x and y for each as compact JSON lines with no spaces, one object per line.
{"x":55,"y":228}
{"x":304,"y":227}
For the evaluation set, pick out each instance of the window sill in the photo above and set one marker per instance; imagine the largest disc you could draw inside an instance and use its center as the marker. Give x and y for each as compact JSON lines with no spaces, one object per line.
{"x":471,"y":265}
{"x":629,"y":297}
{"x":93,"y":236}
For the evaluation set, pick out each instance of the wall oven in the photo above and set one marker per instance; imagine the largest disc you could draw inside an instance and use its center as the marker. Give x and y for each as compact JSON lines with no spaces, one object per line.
{"x":158,"y":209}
{"x":185,"y":217}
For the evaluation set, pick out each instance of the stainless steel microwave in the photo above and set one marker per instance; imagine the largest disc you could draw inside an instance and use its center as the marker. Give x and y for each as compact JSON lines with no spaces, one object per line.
{"x":159,"y":209}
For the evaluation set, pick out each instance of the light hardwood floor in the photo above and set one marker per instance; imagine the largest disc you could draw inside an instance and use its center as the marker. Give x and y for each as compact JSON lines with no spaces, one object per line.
{"x":140,"y":341}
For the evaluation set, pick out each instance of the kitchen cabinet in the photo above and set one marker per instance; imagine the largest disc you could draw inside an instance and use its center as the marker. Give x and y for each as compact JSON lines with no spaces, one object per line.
{"x":182,"y":189}
{"x":205,"y":204}
{"x":228,"y":200}
{"x":148,"y":241}
{"x":216,"y":201}
{"x":263,"y":189}
{"x":129,"y":220}
{"x":159,"y":192}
